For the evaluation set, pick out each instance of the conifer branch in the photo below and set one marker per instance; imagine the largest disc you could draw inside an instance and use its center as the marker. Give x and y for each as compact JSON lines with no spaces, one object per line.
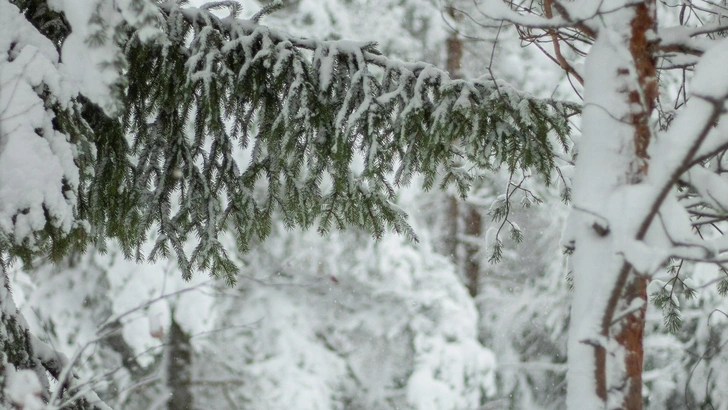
{"x":277,"y":124}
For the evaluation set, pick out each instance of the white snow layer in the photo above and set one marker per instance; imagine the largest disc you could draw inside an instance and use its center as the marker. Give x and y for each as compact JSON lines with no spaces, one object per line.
{"x":35,"y":160}
{"x":23,"y":389}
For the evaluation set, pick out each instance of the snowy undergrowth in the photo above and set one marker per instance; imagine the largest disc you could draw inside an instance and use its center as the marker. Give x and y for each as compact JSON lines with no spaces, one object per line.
{"x":344,"y":322}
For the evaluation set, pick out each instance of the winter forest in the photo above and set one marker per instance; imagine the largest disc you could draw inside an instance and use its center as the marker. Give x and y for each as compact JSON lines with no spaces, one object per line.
{"x":363,"y":204}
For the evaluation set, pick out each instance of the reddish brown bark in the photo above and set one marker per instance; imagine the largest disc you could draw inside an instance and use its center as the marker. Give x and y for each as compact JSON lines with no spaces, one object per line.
{"x":556,"y":42}
{"x":600,"y":374}
{"x":628,"y":329}
{"x":630,"y":336}
{"x":628,"y":333}
{"x":642,"y":51}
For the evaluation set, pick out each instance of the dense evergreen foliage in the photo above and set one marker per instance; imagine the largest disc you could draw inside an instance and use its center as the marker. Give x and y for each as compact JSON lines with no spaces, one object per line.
{"x":330,"y":129}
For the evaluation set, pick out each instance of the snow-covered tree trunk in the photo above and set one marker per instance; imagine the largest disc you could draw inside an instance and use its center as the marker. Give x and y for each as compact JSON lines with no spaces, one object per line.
{"x":608,"y":311}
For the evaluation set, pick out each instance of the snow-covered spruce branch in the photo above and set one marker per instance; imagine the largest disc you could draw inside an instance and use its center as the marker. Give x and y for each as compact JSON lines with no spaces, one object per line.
{"x":304,"y":111}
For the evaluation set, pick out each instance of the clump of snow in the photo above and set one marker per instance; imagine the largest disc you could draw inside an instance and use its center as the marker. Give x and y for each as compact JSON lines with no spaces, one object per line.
{"x":710,"y":80}
{"x":89,"y":53}
{"x":91,"y":59}
{"x":23,"y":389}
{"x":37,"y":170}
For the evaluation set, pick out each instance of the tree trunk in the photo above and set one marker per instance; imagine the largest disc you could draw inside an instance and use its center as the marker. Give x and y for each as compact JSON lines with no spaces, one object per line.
{"x":179,"y":363}
{"x":454,"y":48}
{"x":451,"y":226}
{"x":473,"y":228}
{"x":473,"y":219}
{"x":608,"y":311}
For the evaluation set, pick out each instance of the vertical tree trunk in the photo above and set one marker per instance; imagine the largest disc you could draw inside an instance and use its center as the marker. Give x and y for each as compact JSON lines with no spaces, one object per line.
{"x":179,"y":362}
{"x":454,"y":49}
{"x":451,"y":228}
{"x":473,"y":219}
{"x":473,"y":228}
{"x":630,"y":327}
{"x":608,"y":311}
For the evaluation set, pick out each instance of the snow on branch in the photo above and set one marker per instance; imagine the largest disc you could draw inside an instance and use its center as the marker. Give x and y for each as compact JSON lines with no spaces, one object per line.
{"x":328,"y":128}
{"x":689,"y":155}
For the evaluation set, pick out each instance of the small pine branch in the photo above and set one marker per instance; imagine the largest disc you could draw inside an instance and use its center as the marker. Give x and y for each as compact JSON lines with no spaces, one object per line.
{"x":496,"y":252}
{"x":516,"y":234}
{"x":723,"y":287}
{"x":666,"y":300}
{"x":673,"y":320}
{"x":266,"y":10}
{"x":570,"y":280}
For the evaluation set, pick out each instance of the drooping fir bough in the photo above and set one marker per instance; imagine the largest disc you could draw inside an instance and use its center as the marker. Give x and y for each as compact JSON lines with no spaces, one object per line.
{"x":189,"y":97}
